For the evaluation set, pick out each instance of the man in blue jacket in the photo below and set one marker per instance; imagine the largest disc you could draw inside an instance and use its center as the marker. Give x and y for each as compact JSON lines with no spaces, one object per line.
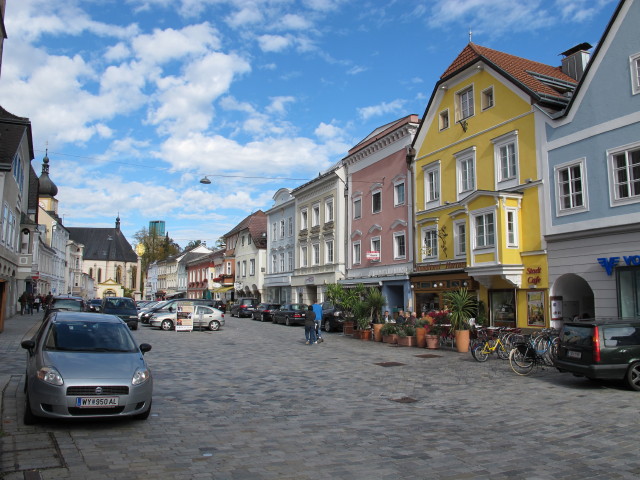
{"x":317,"y":309}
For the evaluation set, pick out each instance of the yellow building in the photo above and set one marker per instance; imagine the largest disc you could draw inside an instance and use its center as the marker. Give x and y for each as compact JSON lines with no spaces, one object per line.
{"x":479,"y":200}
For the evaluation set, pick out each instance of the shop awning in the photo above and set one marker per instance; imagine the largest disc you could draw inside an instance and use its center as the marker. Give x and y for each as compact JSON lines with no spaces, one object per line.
{"x":221,"y":289}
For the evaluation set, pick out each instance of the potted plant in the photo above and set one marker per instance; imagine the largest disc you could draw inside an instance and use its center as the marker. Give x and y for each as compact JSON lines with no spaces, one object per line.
{"x":389,"y":333}
{"x":348,"y":299}
{"x":364,"y":328}
{"x":374,"y":301}
{"x":406,"y":335}
{"x":433,"y":335}
{"x":462,"y":306}
{"x":421,"y":332}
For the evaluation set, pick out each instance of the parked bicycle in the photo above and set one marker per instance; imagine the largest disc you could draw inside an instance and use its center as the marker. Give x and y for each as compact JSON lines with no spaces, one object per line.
{"x":526,"y":356}
{"x":490,"y":340}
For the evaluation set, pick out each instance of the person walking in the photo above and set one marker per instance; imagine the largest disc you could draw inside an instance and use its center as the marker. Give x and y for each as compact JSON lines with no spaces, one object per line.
{"x":30,"y":299}
{"x":23,"y":302}
{"x":317,"y":310}
{"x":36,"y":303}
{"x":310,"y":326}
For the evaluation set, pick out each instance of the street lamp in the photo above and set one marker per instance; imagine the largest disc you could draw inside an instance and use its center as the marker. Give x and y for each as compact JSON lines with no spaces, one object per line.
{"x":205,"y":180}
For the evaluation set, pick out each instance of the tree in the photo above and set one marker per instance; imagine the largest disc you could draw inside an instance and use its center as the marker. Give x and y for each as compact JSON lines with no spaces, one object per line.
{"x":193,"y":244}
{"x":155,"y":248}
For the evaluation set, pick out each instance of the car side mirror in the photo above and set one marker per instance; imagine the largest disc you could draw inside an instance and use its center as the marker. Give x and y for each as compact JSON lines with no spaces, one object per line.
{"x":171,"y":309}
{"x":145,"y":347}
{"x":28,"y":345}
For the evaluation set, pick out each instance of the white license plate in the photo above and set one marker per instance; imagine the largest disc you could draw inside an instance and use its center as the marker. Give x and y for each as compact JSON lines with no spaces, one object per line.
{"x":572,"y":354}
{"x":96,"y":402}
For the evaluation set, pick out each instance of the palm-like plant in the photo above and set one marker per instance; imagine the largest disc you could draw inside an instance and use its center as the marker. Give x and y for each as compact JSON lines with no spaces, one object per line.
{"x":462,"y":306}
{"x":374,"y":300}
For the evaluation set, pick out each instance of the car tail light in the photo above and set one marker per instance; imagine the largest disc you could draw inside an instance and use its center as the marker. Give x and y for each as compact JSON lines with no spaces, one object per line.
{"x":596,"y":345}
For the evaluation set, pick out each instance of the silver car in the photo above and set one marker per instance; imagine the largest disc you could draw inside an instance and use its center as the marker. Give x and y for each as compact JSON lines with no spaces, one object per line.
{"x":203,"y":316}
{"x":86,"y":365}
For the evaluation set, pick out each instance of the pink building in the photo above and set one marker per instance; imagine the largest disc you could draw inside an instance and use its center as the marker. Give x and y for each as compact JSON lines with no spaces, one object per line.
{"x":380,"y":212}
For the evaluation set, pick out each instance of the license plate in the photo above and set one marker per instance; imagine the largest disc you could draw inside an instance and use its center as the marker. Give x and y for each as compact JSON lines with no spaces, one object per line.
{"x":96,"y":402}
{"x":572,"y":354}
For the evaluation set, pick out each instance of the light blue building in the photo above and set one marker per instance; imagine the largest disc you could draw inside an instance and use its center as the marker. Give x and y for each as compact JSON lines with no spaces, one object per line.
{"x":593,"y":177}
{"x":281,"y":241}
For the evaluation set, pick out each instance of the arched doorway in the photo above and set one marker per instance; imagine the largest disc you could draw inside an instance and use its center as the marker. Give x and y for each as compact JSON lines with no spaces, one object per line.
{"x":575,"y":295}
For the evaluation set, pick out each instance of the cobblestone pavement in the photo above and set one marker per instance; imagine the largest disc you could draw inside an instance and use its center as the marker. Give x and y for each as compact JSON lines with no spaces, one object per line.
{"x":252,"y":401}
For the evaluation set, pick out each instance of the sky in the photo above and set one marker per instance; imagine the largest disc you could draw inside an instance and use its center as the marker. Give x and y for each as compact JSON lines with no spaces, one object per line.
{"x":136,"y":100}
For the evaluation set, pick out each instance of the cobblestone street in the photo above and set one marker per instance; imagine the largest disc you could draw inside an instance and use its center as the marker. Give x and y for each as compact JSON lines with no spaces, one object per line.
{"x":252,"y":401}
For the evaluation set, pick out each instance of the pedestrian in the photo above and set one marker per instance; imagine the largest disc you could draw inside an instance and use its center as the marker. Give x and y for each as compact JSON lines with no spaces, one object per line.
{"x":23,"y":302}
{"x":47,"y":300}
{"x":310,"y":326}
{"x":30,"y":299}
{"x":36,"y":302}
{"x":317,"y":309}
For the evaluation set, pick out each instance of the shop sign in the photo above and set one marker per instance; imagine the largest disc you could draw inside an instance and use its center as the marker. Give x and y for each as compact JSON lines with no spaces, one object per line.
{"x":373,"y":255}
{"x":609,"y":262}
{"x":534,"y":275}
{"x":441,"y":266}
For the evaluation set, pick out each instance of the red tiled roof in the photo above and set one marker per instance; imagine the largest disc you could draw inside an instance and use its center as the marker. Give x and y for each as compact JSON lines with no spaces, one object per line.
{"x":516,"y":67}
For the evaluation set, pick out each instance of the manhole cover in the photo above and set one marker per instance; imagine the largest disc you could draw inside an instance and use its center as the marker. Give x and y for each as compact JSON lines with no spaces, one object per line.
{"x":390,"y":364}
{"x":405,"y":400}
{"x":428,"y":355}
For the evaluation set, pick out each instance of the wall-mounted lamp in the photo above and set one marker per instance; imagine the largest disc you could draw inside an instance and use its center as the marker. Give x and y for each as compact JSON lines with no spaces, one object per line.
{"x":380,"y":283}
{"x":412,"y":286}
{"x":443,"y":87}
{"x":205,"y":180}
{"x":464,"y":284}
{"x":440,"y":284}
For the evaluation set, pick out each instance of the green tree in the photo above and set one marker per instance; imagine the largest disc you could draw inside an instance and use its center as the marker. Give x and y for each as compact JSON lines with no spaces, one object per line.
{"x":193,"y":244}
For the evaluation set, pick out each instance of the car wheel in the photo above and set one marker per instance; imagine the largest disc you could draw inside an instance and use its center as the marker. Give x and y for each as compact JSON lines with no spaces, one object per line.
{"x":274,"y":319}
{"x":327,"y":325}
{"x":144,"y":415}
{"x":214,"y":325}
{"x":263,"y":318}
{"x":166,"y":325}
{"x":287,"y":321}
{"x":134,"y":327}
{"x":633,"y":376}
{"x":28,"y":418}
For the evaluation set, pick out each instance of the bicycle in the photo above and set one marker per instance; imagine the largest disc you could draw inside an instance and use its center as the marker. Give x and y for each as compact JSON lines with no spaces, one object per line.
{"x":525,"y":356}
{"x":489,"y":345}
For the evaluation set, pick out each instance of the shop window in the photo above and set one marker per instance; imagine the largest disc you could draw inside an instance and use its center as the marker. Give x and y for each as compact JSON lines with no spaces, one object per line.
{"x":503,"y":308}
{"x":628,"y":291}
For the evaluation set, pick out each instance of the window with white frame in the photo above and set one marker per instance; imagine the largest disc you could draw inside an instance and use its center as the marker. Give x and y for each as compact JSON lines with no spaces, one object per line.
{"x":328,"y":253}
{"x":432,"y":185}
{"x":252,"y":266}
{"x":460,"y":238}
{"x":376,"y":201}
{"x":465,"y":103}
{"x":430,"y":243}
{"x":315,"y":215}
{"x":304,"y":259}
{"x":375,"y":247}
{"x":328,"y":210}
{"x":290,"y":261}
{"x":484,"y":230}
{"x":506,"y":159}
{"x":244,"y":268}
{"x":282,"y":262}
{"x":444,"y":120}
{"x":487,"y":98}
{"x":290,"y":224}
{"x":18,"y":172}
{"x":282,"y":228}
{"x":274,"y":263}
{"x":357,"y":253}
{"x":466,"y":172}
{"x":357,"y":208}
{"x":398,"y":193}
{"x":624,"y":174}
{"x":512,"y":227}
{"x":570,"y":187}
{"x":228,"y":268}
{"x":11,"y":231}
{"x":315,"y":254}
{"x":634,"y":65}
{"x":303,"y":220}
{"x":399,"y":245}
{"x":5,"y":222}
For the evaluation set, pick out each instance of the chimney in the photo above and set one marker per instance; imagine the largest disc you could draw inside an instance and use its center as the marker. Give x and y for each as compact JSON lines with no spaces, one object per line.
{"x":575,"y":61}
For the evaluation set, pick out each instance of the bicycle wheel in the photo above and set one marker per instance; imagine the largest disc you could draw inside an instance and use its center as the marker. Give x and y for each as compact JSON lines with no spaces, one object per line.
{"x":521,"y":359}
{"x":480,"y":353}
{"x":502,"y":351}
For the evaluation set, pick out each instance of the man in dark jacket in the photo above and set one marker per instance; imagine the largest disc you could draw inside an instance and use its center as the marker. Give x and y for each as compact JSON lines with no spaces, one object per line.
{"x":310,"y":326}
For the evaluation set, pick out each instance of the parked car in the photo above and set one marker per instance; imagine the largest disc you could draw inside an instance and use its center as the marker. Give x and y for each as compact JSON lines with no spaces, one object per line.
{"x":66,"y":303}
{"x":601,"y":350}
{"x":332,"y":317}
{"x":203,"y":316}
{"x":169,"y":306}
{"x":95,"y":304}
{"x":123,"y":307}
{"x":291,"y":314}
{"x":264,"y":311}
{"x":86,"y":365}
{"x":243,"y":307}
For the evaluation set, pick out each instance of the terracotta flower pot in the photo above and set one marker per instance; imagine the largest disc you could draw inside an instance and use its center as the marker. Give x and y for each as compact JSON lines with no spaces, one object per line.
{"x":392,"y":339}
{"x":365,"y":335}
{"x":347,"y":328}
{"x":421,"y":333}
{"x":462,"y":340}
{"x":377,"y":334}
{"x":432,"y":341}
{"x":406,"y":341}
{"x":357,"y":334}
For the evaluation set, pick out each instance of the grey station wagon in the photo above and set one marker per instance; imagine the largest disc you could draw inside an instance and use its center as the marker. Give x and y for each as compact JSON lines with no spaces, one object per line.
{"x":601,"y":350}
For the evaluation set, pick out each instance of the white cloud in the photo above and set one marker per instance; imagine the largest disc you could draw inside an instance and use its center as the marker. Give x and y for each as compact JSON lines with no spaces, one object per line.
{"x":273,"y":43}
{"x":384,"y":108}
{"x":294,"y":22}
{"x":279,"y":104}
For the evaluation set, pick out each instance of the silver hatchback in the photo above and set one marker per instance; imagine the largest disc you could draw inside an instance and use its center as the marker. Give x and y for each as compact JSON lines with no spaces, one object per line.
{"x":86,"y":365}
{"x":203,"y":316}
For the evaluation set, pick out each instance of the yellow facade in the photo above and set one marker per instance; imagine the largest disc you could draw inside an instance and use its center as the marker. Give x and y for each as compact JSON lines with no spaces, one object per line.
{"x":472,"y":202}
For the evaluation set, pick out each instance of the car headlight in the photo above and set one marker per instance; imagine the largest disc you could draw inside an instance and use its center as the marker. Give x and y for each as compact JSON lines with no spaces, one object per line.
{"x":50,"y":375}
{"x":336,"y":314}
{"x":141,"y":376}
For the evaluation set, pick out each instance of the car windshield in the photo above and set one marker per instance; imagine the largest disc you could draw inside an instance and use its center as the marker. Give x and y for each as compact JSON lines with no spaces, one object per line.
{"x":68,"y":304}
{"x":119,"y":304}
{"x":90,"y":336}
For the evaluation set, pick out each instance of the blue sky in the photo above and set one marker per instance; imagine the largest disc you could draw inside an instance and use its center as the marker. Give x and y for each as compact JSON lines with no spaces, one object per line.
{"x":137,"y":99}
